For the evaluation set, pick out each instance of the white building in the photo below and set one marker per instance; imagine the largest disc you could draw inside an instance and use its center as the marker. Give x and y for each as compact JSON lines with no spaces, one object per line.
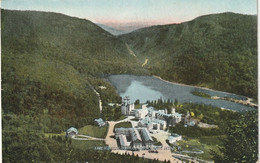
{"x":177,"y":117}
{"x":159,"y":117}
{"x":145,"y":122}
{"x":152,"y":123}
{"x":146,"y":138}
{"x":173,"y":138}
{"x":159,"y":124}
{"x":126,"y":107}
{"x":100,"y":122}
{"x":151,"y":112}
{"x":141,"y":113}
{"x":71,"y":132}
{"x":123,"y":142}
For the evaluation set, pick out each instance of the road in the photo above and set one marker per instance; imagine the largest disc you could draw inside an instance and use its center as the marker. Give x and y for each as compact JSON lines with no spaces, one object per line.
{"x":130,"y":50}
{"x":145,"y":62}
{"x":99,"y":100}
{"x":86,"y":138}
{"x":192,"y":159}
{"x":111,"y":142}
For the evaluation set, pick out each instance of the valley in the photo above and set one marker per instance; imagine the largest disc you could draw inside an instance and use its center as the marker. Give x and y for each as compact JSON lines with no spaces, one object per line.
{"x":61,"y":72}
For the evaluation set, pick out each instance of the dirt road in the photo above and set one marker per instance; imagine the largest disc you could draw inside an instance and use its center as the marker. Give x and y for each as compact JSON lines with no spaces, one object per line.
{"x":85,"y":137}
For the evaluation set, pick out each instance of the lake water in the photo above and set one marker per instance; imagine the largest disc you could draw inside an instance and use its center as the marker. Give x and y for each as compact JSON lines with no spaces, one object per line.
{"x":151,"y":88}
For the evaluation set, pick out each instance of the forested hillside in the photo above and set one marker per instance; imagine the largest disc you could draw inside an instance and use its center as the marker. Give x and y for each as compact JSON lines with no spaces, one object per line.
{"x":218,"y":51}
{"x":48,"y":63}
{"x":47,"y":59}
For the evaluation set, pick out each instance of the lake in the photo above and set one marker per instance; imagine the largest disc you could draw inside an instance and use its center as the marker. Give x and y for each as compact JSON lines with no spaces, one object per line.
{"x":151,"y":88}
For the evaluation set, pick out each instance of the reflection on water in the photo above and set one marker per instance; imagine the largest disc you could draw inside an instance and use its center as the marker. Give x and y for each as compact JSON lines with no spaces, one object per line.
{"x":150,"y":88}
{"x":136,"y":90}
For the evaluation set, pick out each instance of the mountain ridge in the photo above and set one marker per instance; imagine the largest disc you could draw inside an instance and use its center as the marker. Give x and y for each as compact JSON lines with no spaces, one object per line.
{"x":189,"y":52}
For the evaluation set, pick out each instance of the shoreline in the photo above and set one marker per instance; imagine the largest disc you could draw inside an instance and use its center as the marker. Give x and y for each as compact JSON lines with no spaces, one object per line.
{"x":246,"y":102}
{"x":205,"y":88}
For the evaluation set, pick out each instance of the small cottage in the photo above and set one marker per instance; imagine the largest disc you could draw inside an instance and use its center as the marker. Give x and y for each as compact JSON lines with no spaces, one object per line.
{"x":99,"y":122}
{"x":173,"y":138}
{"x":71,"y":132}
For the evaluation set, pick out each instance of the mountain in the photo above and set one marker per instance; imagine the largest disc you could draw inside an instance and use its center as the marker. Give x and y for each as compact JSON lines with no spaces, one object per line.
{"x":48,"y":63}
{"x":51,"y":64}
{"x":111,"y":30}
{"x":218,"y":51}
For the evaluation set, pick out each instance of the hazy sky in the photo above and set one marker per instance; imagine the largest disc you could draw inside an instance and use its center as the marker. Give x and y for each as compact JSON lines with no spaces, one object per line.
{"x":135,"y":11}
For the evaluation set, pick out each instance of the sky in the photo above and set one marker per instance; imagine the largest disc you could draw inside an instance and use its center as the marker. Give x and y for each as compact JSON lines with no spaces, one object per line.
{"x":123,"y":13}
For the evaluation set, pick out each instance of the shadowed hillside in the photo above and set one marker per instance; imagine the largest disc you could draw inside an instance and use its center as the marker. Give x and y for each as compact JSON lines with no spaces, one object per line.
{"x":50,"y":65}
{"x":47,"y":59}
{"x":217,"y":51}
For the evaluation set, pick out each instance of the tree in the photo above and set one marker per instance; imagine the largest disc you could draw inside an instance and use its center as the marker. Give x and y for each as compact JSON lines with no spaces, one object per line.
{"x":241,"y":143}
{"x":137,"y":102}
{"x":176,"y":102}
{"x":200,"y":117}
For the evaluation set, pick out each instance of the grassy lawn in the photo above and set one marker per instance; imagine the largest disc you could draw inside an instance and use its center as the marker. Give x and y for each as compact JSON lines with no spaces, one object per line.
{"x":124,"y":125}
{"x":135,"y":119}
{"x":88,"y":144}
{"x":121,"y":118}
{"x":210,"y":140}
{"x":206,"y":144}
{"x":157,"y":142}
{"x":94,"y":131}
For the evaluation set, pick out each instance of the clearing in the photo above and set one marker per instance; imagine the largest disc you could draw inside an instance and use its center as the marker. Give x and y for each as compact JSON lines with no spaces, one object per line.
{"x":94,"y":131}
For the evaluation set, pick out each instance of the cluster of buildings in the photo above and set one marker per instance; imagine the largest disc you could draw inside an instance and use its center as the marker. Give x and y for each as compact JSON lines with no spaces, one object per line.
{"x":72,"y":131}
{"x":150,"y":120}
{"x":134,"y":138}
{"x":154,"y":119}
{"x":149,"y":117}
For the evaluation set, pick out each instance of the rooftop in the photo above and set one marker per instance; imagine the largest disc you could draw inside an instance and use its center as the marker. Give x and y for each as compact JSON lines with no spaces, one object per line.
{"x":123,"y":141}
{"x":99,"y":120}
{"x":177,"y":114}
{"x":145,"y":134}
{"x":135,"y":135}
{"x":145,"y":120}
{"x":158,"y":121}
{"x":72,"y":129}
{"x":173,"y":137}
